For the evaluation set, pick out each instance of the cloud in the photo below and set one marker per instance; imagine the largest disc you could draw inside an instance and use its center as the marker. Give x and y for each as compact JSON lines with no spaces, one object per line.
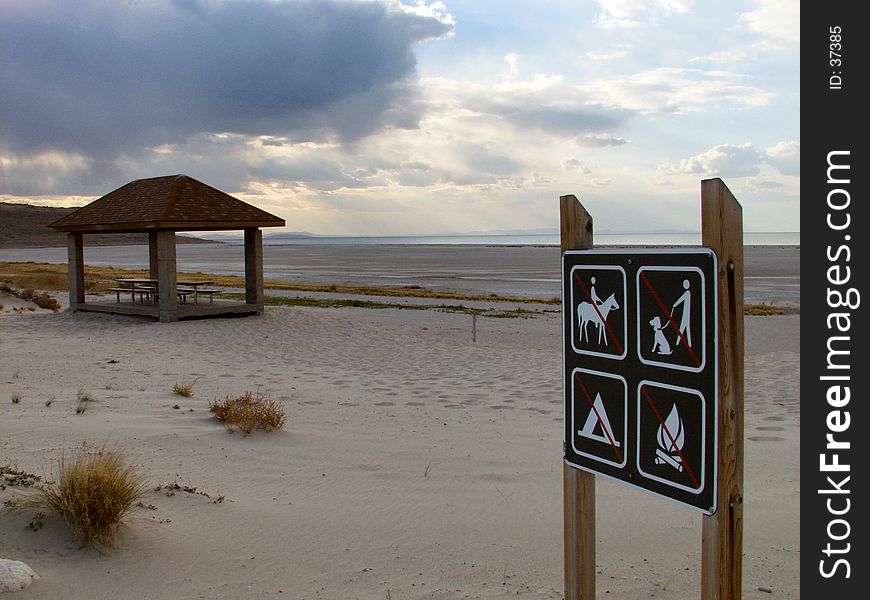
{"x":512,"y":61}
{"x":616,"y":52}
{"x":575,"y":164}
{"x":676,"y":89}
{"x":623,"y":14}
{"x":598,"y":140}
{"x":785,"y":157}
{"x":721,"y":57}
{"x":40,"y":173}
{"x":778,"y":21}
{"x":99,"y":76}
{"x":724,"y":160}
{"x":542,"y":103}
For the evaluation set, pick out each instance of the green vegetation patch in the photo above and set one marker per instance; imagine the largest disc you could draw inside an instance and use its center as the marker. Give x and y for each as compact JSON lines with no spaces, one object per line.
{"x":763,"y":310}
{"x":306,"y":301}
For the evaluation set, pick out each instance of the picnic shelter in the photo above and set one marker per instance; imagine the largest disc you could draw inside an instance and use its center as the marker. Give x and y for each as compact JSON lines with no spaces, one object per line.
{"x":160,"y":207}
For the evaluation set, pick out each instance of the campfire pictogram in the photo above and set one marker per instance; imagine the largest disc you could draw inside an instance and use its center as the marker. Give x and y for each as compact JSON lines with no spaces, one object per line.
{"x":671,"y":437}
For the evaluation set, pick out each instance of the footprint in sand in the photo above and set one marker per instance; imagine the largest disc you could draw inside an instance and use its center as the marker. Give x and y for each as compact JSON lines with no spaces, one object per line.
{"x":385,"y":403}
{"x":765,"y":438}
{"x":415,"y":404}
{"x":771,"y":428}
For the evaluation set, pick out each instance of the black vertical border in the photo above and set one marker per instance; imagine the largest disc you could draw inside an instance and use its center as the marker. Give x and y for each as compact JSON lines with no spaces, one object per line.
{"x":833,"y":120}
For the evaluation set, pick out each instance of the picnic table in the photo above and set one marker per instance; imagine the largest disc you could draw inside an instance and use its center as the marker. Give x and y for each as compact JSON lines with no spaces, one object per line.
{"x":146,"y":289}
{"x":197,"y":288}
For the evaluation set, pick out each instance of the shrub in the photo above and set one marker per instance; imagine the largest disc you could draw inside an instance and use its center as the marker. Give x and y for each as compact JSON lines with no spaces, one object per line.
{"x":250,"y":411}
{"x":183,"y":390}
{"x":46,"y":300}
{"x":83,"y":398}
{"x":93,"y":493}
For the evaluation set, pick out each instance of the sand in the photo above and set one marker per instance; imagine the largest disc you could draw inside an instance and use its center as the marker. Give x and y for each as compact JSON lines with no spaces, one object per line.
{"x":415,"y":463}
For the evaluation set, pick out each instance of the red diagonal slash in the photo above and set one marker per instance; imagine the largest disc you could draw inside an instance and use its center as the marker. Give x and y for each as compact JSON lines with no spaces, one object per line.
{"x":607,"y":328}
{"x":592,"y":404}
{"x":670,"y":437}
{"x":670,"y":318}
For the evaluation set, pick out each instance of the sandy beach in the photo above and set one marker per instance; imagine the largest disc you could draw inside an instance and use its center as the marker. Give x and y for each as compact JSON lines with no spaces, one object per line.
{"x":415,"y":462}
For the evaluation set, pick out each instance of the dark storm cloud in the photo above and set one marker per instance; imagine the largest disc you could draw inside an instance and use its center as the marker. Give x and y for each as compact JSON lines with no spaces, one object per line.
{"x":565,"y":121}
{"x":102,"y":77}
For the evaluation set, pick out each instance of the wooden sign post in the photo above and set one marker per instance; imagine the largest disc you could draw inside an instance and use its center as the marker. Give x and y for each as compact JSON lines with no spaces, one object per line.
{"x":578,"y":486}
{"x":722,"y":531}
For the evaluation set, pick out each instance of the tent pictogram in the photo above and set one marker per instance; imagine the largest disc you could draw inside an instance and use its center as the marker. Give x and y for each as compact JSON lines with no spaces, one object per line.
{"x":598,"y":416}
{"x":598,"y":421}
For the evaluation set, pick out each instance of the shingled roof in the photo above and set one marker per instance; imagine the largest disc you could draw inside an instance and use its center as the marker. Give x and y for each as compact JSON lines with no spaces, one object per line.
{"x":174,"y":202}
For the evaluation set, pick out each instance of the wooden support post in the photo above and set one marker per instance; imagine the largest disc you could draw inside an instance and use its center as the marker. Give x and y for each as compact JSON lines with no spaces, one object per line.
{"x":152,"y":255}
{"x":76,"y":270}
{"x":578,"y":485}
{"x":167,"y":280}
{"x":254,"y":268}
{"x":722,"y":532}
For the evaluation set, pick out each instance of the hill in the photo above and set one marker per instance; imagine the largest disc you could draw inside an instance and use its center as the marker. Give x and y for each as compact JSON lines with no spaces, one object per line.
{"x":24,"y":226}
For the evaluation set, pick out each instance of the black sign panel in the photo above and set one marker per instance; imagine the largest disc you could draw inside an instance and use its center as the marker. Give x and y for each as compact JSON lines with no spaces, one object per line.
{"x":640,"y":384}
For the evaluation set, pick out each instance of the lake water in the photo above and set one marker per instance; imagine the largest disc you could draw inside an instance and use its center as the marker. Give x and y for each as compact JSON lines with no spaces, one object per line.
{"x":772,"y":271}
{"x":788,"y":238}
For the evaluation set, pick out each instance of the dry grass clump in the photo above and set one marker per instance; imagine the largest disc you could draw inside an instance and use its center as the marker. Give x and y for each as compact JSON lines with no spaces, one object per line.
{"x":41,"y":299}
{"x":250,"y":411}
{"x":93,"y":493}
{"x":762,"y":310}
{"x":83,"y":397}
{"x":183,"y":390}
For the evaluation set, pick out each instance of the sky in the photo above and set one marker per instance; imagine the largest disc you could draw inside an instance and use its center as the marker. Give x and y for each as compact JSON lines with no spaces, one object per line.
{"x":351,"y":117}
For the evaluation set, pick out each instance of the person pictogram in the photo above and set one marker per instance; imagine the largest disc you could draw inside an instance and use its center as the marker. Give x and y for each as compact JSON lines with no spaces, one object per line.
{"x":686,"y":319}
{"x":593,"y":294}
{"x":595,"y":312}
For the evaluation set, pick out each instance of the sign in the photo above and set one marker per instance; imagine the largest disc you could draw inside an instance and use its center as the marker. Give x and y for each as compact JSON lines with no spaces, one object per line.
{"x":640,"y":369}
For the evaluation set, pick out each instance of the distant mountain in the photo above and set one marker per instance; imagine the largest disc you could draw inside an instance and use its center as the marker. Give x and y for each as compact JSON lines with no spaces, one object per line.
{"x":287,"y":236}
{"x":538,"y":231}
{"x":24,"y":226}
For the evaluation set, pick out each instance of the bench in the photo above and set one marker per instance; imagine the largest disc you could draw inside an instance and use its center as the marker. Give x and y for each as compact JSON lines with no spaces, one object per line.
{"x":210,"y":292}
{"x":146,"y":293}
